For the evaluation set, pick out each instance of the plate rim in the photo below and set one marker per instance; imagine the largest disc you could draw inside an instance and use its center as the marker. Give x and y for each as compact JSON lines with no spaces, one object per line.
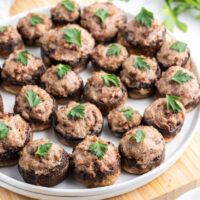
{"x":107,"y":189}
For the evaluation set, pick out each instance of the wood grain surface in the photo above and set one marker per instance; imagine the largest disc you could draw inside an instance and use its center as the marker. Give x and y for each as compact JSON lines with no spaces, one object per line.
{"x":181,"y":177}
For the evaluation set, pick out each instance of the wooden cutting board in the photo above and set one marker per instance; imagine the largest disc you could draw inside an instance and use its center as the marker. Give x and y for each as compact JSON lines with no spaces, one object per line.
{"x":181,"y":177}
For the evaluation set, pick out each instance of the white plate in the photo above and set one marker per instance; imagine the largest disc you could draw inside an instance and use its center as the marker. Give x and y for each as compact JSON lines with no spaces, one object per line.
{"x":126,"y":182}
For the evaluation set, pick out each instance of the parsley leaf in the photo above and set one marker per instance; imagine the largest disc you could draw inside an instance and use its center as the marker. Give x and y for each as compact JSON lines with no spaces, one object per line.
{"x":102,"y":14}
{"x":69,"y":5}
{"x":172,"y":103}
{"x":110,"y":79}
{"x":128,"y":113}
{"x":22,"y":57}
{"x":140,"y":62}
{"x":181,"y":77}
{"x":62,"y":70}
{"x":179,"y":46}
{"x":3,"y":130}
{"x":72,"y":36}
{"x":34,"y":20}
{"x":32,"y":98}
{"x":173,"y":13}
{"x":145,"y":17}
{"x":3,"y":28}
{"x":77,"y":112}
{"x":114,"y":50}
{"x":139,"y":136}
{"x":43,"y":150}
{"x":99,"y":149}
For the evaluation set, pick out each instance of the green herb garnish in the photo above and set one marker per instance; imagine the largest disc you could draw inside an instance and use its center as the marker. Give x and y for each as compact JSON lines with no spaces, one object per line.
{"x":22,"y":56}
{"x":172,"y":103}
{"x":173,"y":8}
{"x":3,"y":130}
{"x":62,"y":70}
{"x":69,"y":5}
{"x":179,"y":46}
{"x":34,"y":20}
{"x":110,"y":79}
{"x":181,"y":77}
{"x":72,"y":36}
{"x":139,"y":136}
{"x":3,"y":28}
{"x":32,"y":98}
{"x":128,"y":113}
{"x":145,"y":17}
{"x":43,"y":150}
{"x":77,"y":112}
{"x":99,"y":149}
{"x":102,"y":14}
{"x":140,"y":62}
{"x":114,"y":50}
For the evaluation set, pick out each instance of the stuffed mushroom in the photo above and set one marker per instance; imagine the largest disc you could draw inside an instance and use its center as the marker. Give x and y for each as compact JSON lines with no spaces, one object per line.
{"x":109,"y":58}
{"x":103,"y":20}
{"x":121,"y":120}
{"x":166,"y":119}
{"x":15,"y":133}
{"x":43,"y":163}
{"x":173,"y":53}
{"x":70,"y":45}
{"x":142,"y":36}
{"x":67,"y":11}
{"x":95,"y":162}
{"x":32,"y":27}
{"x":75,"y":121}
{"x":182,"y":83}
{"x":139,"y":74}
{"x":36,"y":106}
{"x":10,"y":41}
{"x":106,"y":91}
{"x":62,"y":83}
{"x":141,"y":149}
{"x":19,"y":69}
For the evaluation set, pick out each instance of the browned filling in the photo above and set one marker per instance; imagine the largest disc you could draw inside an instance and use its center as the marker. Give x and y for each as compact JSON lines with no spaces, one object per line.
{"x":25,"y":37}
{"x":140,"y":44}
{"x":69,"y":138}
{"x":117,"y":133}
{"x":55,"y":17}
{"x":12,"y":154}
{"x":98,"y":67}
{"x":187,"y":106}
{"x":79,"y":62}
{"x":53,"y":176}
{"x":31,"y":120}
{"x":6,"y":48}
{"x":166,"y":66}
{"x":132,"y":163}
{"x":140,"y":47}
{"x":34,"y":81}
{"x":166,"y":133}
{"x":192,"y":104}
{"x":73,"y":95}
{"x":100,"y":176}
{"x":101,"y":105}
{"x":144,"y":85}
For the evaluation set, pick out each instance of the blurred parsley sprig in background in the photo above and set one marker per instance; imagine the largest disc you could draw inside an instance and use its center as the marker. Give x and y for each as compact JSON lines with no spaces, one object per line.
{"x":173,"y":8}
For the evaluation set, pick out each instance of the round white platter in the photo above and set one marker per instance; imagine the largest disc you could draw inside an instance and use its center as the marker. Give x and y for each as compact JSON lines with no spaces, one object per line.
{"x":70,"y":188}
